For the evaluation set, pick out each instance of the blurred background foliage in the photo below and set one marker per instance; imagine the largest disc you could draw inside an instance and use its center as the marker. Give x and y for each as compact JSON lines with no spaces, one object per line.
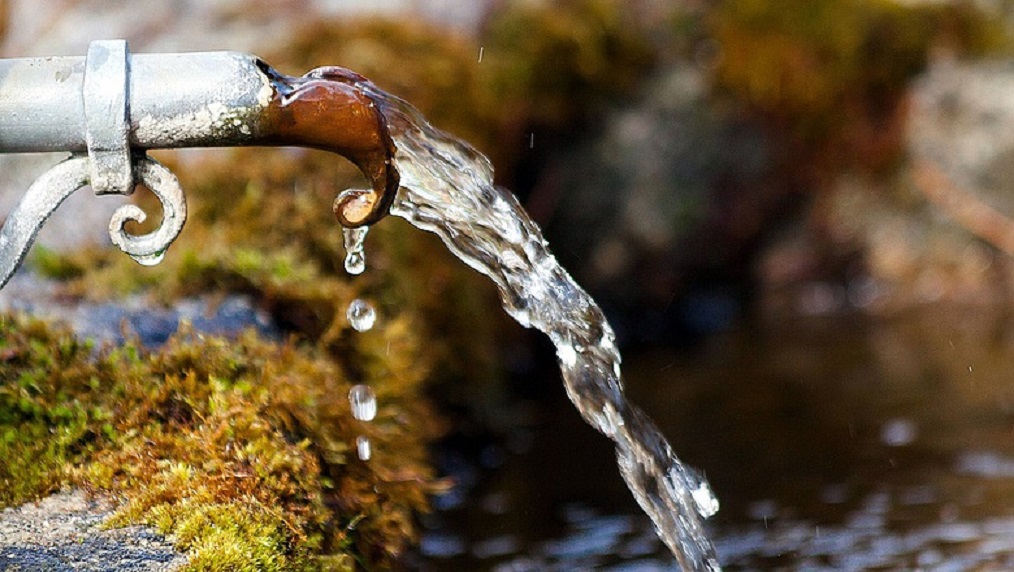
{"x":832,"y":76}
{"x":664,"y":146}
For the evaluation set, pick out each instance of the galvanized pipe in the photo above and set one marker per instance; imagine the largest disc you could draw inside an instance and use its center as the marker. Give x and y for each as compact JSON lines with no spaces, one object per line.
{"x":113,"y":106}
{"x":203,"y":99}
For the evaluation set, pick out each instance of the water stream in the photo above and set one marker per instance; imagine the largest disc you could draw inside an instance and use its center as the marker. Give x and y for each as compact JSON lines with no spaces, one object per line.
{"x":447,"y":188}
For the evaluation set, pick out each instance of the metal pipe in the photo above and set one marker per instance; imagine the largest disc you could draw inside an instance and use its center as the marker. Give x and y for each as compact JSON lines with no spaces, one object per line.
{"x":202,"y":99}
{"x":113,"y":106}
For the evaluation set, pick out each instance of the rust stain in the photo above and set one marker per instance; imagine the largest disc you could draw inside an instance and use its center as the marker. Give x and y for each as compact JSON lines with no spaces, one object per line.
{"x":328,"y":109}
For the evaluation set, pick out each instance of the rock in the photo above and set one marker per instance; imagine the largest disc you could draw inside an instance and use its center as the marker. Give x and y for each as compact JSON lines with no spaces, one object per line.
{"x":135,"y":315}
{"x":963,"y":119}
{"x":64,"y":532}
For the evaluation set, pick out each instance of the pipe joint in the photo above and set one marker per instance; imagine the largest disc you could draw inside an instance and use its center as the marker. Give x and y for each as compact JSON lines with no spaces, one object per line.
{"x":106,"y":117}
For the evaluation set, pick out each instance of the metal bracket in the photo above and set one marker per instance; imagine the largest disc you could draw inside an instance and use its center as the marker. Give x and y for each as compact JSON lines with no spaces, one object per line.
{"x":107,"y":118}
{"x":107,"y":109}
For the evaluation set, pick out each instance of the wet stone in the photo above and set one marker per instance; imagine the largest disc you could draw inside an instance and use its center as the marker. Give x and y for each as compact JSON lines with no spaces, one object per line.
{"x":64,"y":532}
{"x":151,"y":323}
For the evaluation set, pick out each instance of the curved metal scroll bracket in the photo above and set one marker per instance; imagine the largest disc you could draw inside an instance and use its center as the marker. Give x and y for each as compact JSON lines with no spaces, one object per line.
{"x":50,"y":190}
{"x":38,"y":203}
{"x":149,"y":249}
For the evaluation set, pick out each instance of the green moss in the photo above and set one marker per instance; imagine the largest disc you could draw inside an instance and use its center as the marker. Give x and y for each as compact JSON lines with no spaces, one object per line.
{"x":52,"y":265}
{"x":240,"y":450}
{"x":43,"y":422}
{"x":222,"y":536}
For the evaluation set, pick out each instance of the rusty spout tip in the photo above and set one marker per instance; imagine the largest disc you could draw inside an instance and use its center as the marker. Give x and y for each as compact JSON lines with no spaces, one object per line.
{"x":356,"y":207}
{"x":338,"y":110}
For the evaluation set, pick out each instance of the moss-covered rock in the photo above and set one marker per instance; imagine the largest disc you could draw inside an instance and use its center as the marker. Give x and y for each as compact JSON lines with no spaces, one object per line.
{"x":240,"y":450}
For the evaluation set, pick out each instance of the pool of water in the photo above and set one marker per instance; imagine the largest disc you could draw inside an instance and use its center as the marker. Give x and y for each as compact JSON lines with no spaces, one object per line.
{"x":835,"y":442}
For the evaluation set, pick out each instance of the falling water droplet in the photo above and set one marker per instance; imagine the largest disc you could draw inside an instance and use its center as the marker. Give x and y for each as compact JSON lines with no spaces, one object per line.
{"x":361,"y":315}
{"x":355,"y":253}
{"x":355,"y":263}
{"x":364,"y":402}
{"x":148,"y":259}
{"x":364,"y":408}
{"x":364,"y":448}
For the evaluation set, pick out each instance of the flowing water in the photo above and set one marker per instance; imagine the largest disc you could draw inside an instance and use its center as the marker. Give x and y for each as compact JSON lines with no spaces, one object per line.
{"x":447,"y":188}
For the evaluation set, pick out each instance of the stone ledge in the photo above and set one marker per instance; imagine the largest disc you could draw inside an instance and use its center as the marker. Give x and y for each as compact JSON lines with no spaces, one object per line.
{"x":64,"y":532}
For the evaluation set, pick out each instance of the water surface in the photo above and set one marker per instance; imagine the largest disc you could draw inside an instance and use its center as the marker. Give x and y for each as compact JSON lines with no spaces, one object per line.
{"x":834,"y":443}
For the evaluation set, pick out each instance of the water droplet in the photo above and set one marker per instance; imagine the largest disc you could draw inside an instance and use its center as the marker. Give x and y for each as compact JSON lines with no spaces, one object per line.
{"x":364,"y":402}
{"x":361,"y":315}
{"x":364,"y":448}
{"x":355,"y":263}
{"x":355,"y":253}
{"x":148,"y":259}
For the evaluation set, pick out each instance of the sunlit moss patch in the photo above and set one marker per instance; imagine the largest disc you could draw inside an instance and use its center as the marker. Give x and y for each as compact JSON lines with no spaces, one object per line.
{"x":239,"y":450}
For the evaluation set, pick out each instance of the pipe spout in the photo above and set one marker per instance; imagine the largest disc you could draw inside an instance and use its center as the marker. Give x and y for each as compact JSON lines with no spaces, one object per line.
{"x":110,"y":107}
{"x":328,"y":109}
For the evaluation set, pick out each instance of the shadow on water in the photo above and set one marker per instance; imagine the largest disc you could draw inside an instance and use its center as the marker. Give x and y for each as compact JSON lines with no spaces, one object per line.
{"x":839,"y":443}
